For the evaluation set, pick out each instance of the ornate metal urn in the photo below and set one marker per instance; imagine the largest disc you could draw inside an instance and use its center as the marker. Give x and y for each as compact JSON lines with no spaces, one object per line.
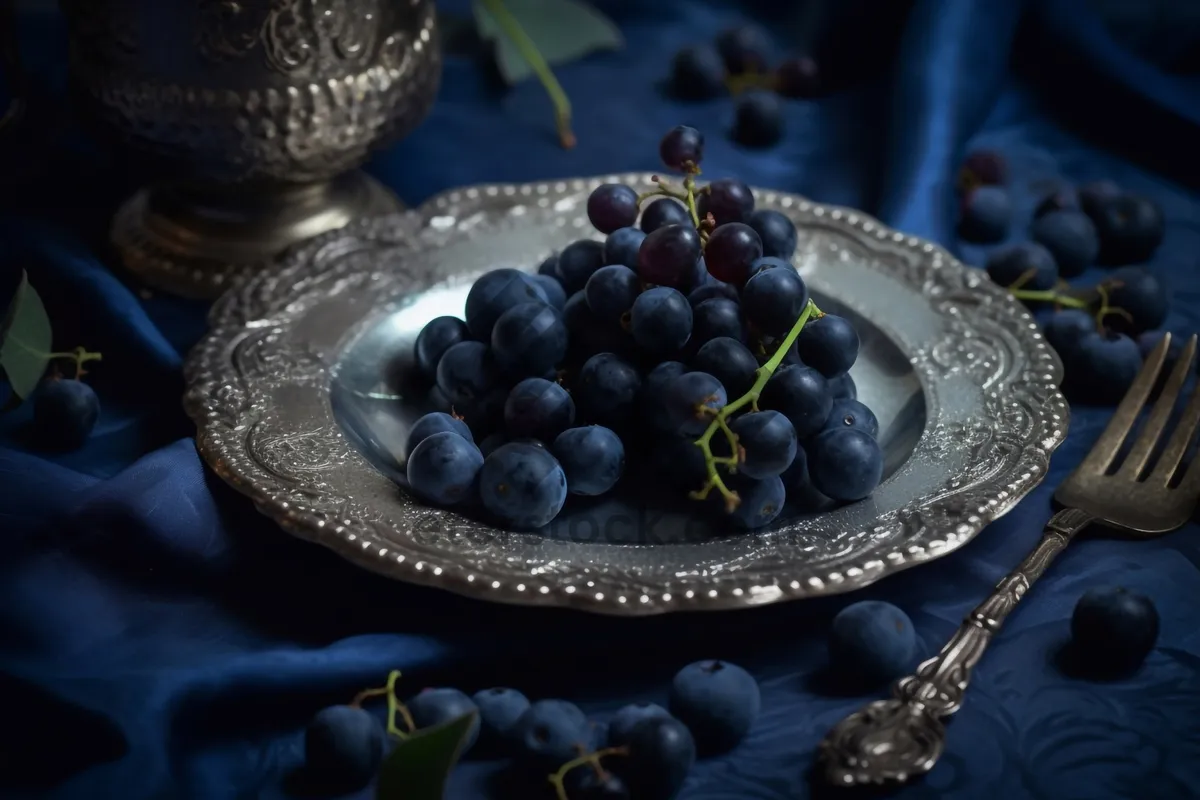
{"x":252,"y":117}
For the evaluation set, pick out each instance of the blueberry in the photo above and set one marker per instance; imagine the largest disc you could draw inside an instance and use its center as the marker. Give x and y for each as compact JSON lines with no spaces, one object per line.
{"x":714,"y":318}
{"x":432,"y":707}
{"x":621,"y":247}
{"x":1131,"y":228}
{"x":467,"y":372}
{"x":1114,"y":628}
{"x":760,"y":501}
{"x":661,"y":753}
{"x":661,"y":320}
{"x":683,"y":146}
{"x":1027,"y":263}
{"x":344,"y":745}
{"x":986,"y":215}
{"x":436,"y":422}
{"x":444,"y":469}
{"x":1059,"y":200}
{"x":842,"y":387}
{"x":828,"y":344}
{"x":577,"y":262}
{"x":1140,"y":295}
{"x":773,"y":300}
{"x":717,"y":701}
{"x":1092,"y":196}
{"x":627,"y":717}
{"x":690,"y":400}
{"x":852,"y":414}
{"x":710,"y":290}
{"x":802,"y":395}
{"x":499,"y":710}
{"x":550,"y":733}
{"x":697,"y":73}
{"x":556,"y":295}
{"x":769,"y":442}
{"x":1104,"y":367}
{"x":529,"y":339}
{"x":523,"y":485}
{"x":1066,"y":329}
{"x":758,"y":119}
{"x":438,"y":336}
{"x":538,"y":409}
{"x":1071,"y":239}
{"x":64,"y":413}
{"x":872,"y":642}
{"x":592,"y":457}
{"x":606,"y":390}
{"x":610,"y":292}
{"x":728,"y":200}
{"x":778,"y":233}
{"x":663,"y":211}
{"x":651,"y":396}
{"x":730,"y":362}
{"x":845,"y":464}
{"x":612,"y":206}
{"x":744,"y":49}
{"x":768,"y":262}
{"x":495,"y":292}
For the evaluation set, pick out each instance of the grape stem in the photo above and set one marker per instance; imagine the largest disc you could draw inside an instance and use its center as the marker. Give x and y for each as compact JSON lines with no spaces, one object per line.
{"x":394,"y":706}
{"x":528,"y":50}
{"x":721,"y":417}
{"x":1063,"y":300}
{"x":79,"y":355}
{"x":557,"y":779}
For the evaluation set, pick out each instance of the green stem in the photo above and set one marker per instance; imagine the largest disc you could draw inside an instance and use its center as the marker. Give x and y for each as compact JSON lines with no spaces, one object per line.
{"x":396,"y":707}
{"x":528,"y":50}
{"x":1049,"y":296}
{"x":79,"y":355}
{"x":560,"y":789}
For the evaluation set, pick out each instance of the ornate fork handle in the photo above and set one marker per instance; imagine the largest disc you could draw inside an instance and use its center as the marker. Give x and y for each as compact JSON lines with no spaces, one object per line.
{"x":903,"y":736}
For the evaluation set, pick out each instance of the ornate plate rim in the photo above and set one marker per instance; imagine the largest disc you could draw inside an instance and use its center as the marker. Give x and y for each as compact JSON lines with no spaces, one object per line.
{"x":255,"y":304}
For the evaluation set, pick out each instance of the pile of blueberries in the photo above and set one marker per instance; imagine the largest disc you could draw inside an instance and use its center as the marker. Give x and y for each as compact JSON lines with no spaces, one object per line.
{"x":637,"y":351}
{"x":1102,"y":332}
{"x":740,"y":60}
{"x":645,"y":750}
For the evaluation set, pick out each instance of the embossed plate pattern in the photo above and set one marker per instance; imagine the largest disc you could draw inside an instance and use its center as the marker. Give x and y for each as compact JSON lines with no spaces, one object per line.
{"x":260,"y":394}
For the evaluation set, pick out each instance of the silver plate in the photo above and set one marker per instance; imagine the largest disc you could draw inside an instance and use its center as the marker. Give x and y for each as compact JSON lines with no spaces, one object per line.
{"x":294,"y":389}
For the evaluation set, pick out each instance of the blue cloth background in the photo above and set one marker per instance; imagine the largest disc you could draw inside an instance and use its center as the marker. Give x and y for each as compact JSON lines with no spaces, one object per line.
{"x":159,"y":639}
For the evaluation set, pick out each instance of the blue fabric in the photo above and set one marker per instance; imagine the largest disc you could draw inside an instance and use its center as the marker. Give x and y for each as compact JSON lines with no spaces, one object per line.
{"x":159,"y":639}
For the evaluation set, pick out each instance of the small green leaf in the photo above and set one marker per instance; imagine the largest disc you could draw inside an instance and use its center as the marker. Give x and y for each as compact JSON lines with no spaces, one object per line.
{"x":419,"y":766}
{"x":561,"y":30}
{"x":25,"y":340}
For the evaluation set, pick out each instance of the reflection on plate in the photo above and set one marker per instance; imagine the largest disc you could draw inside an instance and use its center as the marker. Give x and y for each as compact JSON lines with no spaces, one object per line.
{"x":302,"y":397}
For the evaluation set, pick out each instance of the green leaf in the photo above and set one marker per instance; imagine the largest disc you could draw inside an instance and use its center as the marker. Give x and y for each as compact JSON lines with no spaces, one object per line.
{"x":561,"y":30}
{"x":25,"y":340}
{"x":419,"y":766}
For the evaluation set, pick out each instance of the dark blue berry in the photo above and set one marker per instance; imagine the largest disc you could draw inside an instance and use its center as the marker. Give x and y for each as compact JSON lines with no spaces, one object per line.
{"x":697,"y":277}
{"x":529,"y":339}
{"x":714,"y":288}
{"x":495,"y":292}
{"x":1114,"y":628}
{"x":744,"y":49}
{"x":661,"y":320}
{"x":845,"y":463}
{"x":550,"y":733}
{"x":730,"y":251}
{"x":661,"y":752}
{"x":872,"y":642}
{"x":717,"y":701}
{"x":797,"y":483}
{"x":467,"y":372}
{"x":1028,"y":263}
{"x":730,"y":362}
{"x":1092,"y":196}
{"x":1066,"y":199}
{"x":852,"y":414}
{"x":1070,"y":237}
{"x":538,"y":409}
{"x":432,"y":707}
{"x":586,"y":783}
{"x":438,"y":336}
{"x":444,"y":469}
{"x":714,"y":318}
{"x":769,"y":442}
{"x":436,"y":422}
{"x":728,"y":200}
{"x":1140,"y":295}
{"x":589,"y":335}
{"x":549,"y":267}
{"x":485,"y":414}
{"x":760,"y":501}
{"x":758,"y":119}
{"x":664,"y":211}
{"x":611,"y":206}
{"x":668,"y":256}
{"x":1131,"y":228}
{"x":777,"y":232}
{"x":523,"y":485}
{"x":343,"y":745}
{"x":773,"y":300}
{"x":627,"y":718}
{"x":64,"y":413}
{"x":592,"y":457}
{"x":986,"y":215}
{"x":556,"y":295}
{"x":622,"y":246}
{"x":842,"y":387}
{"x":652,"y":395}
{"x":1104,"y":367}
{"x":828,"y":344}
{"x":683,"y":146}
{"x":606,"y":390}
{"x":697,"y":73}
{"x":802,"y":395}
{"x":499,"y":711}
{"x":1066,"y":329}
{"x":577,"y":262}
{"x":768,"y":262}
{"x":491,"y":442}
{"x":690,"y":400}
{"x":611,"y":291}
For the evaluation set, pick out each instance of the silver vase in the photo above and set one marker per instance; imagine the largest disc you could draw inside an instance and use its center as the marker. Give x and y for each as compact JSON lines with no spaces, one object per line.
{"x":252,"y":116}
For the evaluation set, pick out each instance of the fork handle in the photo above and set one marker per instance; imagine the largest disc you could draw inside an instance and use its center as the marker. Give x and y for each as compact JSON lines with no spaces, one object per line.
{"x":903,"y":736}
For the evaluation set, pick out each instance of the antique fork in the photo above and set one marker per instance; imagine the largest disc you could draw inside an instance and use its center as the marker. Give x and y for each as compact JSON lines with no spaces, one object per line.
{"x":903,"y":736}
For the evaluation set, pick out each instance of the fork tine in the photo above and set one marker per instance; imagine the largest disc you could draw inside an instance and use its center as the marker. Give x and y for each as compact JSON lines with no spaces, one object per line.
{"x":1177,"y":445}
{"x":1109,"y":443}
{"x":1139,"y":454}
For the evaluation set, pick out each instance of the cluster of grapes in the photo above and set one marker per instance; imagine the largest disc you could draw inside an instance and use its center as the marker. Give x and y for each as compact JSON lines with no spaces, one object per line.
{"x":1104,"y":331}
{"x":688,"y":345}
{"x":739,"y":61}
